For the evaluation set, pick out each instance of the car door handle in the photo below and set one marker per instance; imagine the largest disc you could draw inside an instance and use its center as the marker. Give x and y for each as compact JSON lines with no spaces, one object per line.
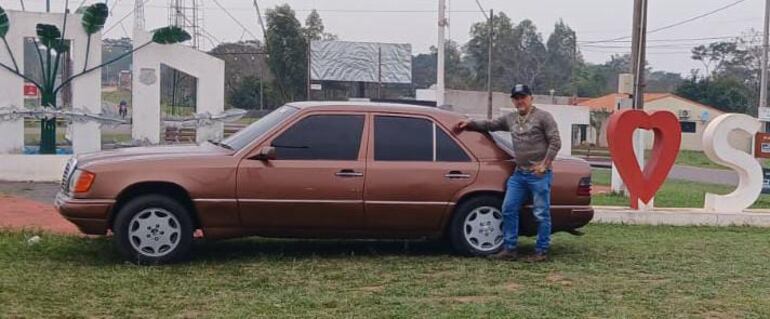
{"x":457,"y":175}
{"x":349,"y":173}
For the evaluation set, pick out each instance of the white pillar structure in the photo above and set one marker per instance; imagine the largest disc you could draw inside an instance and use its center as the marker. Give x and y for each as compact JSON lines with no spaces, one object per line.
{"x":209,"y":71}
{"x":86,"y":90}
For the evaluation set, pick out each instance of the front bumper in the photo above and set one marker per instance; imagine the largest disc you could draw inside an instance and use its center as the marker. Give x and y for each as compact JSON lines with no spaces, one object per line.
{"x":89,"y":215}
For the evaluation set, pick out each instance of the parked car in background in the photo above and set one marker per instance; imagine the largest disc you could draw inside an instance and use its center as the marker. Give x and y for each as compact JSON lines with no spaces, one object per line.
{"x":314,"y":170}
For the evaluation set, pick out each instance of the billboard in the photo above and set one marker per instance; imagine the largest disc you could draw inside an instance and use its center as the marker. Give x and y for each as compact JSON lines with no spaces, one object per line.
{"x":360,"y":62}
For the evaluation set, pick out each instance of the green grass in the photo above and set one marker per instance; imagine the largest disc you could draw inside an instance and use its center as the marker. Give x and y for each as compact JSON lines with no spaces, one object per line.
{"x":116,"y":96}
{"x":247,"y":120}
{"x":674,"y":193}
{"x":612,"y":272}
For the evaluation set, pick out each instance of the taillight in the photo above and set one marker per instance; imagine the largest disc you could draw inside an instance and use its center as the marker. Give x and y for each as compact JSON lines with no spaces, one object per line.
{"x":584,"y":186}
{"x":82,"y":181}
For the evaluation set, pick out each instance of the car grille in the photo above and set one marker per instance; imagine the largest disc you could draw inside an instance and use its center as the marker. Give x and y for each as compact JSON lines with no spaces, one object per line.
{"x":69,"y":169}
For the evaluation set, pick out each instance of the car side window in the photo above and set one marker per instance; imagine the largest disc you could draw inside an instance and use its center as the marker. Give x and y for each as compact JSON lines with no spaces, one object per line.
{"x":447,"y":149}
{"x":321,"y":137}
{"x":403,"y":139}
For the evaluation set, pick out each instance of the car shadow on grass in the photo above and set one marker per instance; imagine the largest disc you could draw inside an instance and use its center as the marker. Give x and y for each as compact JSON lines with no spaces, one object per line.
{"x":251,"y":248}
{"x":100,"y":251}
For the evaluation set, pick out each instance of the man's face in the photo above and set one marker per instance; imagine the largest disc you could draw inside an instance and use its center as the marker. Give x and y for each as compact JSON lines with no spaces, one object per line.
{"x":522,"y":103}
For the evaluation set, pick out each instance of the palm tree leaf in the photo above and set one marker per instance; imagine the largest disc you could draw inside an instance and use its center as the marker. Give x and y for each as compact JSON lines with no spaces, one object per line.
{"x":5,"y":25}
{"x":61,"y":47}
{"x":94,"y":17}
{"x":49,"y":35}
{"x":170,"y":35}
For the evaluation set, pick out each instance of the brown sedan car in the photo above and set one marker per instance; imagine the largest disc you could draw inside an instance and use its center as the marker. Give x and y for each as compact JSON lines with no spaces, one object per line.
{"x":314,"y":170}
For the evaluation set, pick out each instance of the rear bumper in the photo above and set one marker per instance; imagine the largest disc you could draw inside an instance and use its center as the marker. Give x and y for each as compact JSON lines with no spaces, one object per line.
{"x":89,"y":215}
{"x":581,"y":216}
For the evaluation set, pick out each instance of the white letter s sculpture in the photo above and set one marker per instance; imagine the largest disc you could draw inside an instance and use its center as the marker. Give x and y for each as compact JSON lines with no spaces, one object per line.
{"x":717,"y":147}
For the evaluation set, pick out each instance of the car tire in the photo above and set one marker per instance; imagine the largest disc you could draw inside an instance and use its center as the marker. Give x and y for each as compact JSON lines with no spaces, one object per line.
{"x":475,"y":229}
{"x":153,"y":230}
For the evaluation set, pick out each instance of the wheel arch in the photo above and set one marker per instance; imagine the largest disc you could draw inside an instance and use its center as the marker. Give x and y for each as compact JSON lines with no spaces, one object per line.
{"x":464,"y":198}
{"x":164,"y":188}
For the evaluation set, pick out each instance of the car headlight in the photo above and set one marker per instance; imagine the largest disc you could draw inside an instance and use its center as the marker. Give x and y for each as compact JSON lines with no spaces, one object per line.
{"x":81,"y":181}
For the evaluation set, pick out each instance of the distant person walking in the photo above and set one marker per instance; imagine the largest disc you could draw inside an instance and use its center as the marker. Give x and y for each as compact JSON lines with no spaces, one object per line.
{"x":123,"y":109}
{"x":536,"y":142}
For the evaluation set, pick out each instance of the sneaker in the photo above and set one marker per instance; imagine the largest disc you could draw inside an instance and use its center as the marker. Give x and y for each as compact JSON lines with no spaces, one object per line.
{"x":505,"y":254}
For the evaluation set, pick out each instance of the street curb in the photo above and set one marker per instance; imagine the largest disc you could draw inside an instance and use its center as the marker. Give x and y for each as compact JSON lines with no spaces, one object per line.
{"x":681,"y":217}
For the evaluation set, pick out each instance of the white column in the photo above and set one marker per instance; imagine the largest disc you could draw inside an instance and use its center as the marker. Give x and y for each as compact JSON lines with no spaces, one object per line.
{"x":11,"y":92}
{"x":86,"y":92}
{"x":440,"y":90}
{"x":145,"y":115}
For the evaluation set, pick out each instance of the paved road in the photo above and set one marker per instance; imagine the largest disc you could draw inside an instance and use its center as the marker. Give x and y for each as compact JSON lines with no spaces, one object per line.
{"x":39,"y":192}
{"x":693,"y":174}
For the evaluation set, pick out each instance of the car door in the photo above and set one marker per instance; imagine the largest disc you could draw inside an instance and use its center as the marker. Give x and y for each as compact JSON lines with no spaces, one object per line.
{"x":414,"y":169}
{"x":316,"y":180}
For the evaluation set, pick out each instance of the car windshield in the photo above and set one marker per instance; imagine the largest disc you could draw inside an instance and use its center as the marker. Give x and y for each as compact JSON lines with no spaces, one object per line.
{"x":247,"y":135}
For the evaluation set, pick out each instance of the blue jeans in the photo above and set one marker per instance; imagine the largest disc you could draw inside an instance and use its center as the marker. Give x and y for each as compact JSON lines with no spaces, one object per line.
{"x":520,"y":186}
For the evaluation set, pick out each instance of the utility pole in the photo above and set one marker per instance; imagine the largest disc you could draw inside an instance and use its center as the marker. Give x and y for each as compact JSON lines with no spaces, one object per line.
{"x":489,"y":63}
{"x":261,"y":70}
{"x":47,"y":5}
{"x":638,"y":47}
{"x":440,"y":91}
{"x":763,"y":86}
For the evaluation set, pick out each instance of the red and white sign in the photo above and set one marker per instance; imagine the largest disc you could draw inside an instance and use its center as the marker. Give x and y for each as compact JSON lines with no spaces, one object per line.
{"x":30,"y":90}
{"x":644,"y":183}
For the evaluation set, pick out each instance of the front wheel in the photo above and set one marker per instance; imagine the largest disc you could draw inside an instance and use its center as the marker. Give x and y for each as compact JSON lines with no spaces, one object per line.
{"x":153,"y":229}
{"x":477,"y":226}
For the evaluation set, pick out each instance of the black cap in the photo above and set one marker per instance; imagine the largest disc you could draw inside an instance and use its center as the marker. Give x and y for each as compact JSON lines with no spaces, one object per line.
{"x":520,"y":89}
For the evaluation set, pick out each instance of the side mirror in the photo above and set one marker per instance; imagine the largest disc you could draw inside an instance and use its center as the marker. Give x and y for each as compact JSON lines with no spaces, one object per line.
{"x":266,"y":153}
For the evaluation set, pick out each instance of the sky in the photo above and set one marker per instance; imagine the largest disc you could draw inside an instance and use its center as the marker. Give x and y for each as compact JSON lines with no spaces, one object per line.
{"x":415,"y":22}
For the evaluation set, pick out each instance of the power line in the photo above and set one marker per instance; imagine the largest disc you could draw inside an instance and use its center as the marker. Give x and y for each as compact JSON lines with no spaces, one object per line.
{"x":484,"y":12}
{"x":677,"y":23}
{"x":338,"y":10}
{"x":672,"y":40}
{"x":234,"y":19}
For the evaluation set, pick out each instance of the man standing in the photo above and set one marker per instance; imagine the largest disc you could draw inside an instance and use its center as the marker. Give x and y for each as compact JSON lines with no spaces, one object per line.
{"x":123,"y":109}
{"x":536,"y":143}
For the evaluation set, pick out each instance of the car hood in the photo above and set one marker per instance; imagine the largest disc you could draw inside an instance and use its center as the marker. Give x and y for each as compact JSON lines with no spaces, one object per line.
{"x":152,"y":153}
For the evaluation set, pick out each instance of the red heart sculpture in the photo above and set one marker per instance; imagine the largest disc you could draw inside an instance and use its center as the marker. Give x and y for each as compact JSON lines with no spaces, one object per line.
{"x":668,"y":137}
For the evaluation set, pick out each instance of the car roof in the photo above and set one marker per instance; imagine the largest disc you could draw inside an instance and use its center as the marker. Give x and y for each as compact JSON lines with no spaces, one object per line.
{"x":373,"y":107}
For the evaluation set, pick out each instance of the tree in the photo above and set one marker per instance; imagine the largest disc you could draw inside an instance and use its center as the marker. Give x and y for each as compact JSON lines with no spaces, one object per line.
{"x":505,"y":52}
{"x":246,"y":95}
{"x":716,"y":56}
{"x":725,"y":93}
{"x":562,"y":59}
{"x":732,"y":74}
{"x":288,"y":52}
{"x":663,"y":82}
{"x":532,"y":57}
{"x":244,"y":59}
{"x":314,"y":28}
{"x":456,"y":74}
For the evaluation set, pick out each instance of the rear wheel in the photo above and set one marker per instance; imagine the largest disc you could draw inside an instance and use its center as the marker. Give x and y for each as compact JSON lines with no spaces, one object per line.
{"x":477,"y":226}
{"x":153,"y":229}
